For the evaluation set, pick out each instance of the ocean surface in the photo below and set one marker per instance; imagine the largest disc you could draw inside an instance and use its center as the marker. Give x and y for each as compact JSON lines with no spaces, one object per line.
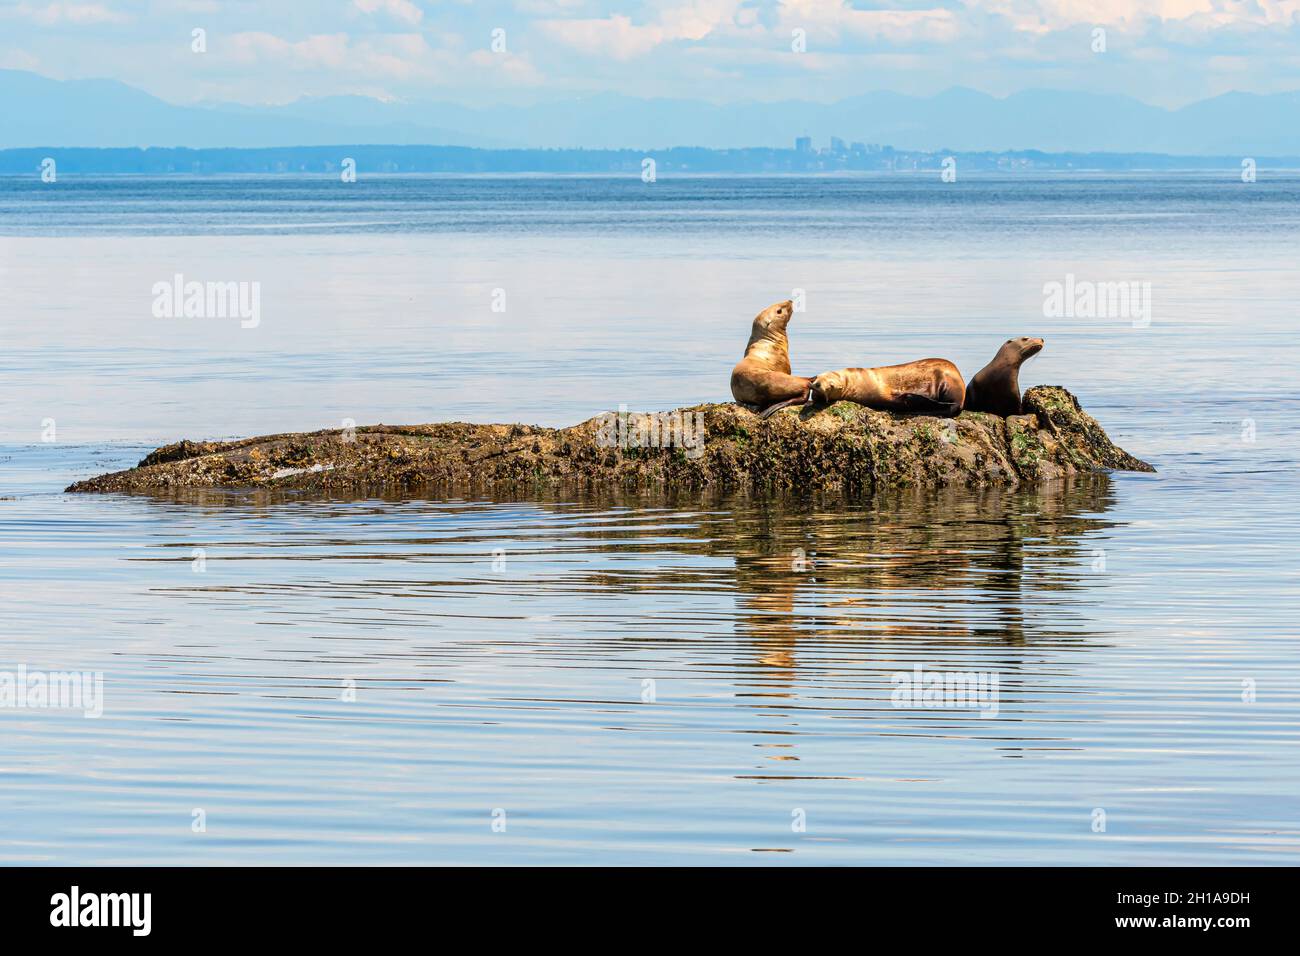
{"x":657,"y":679}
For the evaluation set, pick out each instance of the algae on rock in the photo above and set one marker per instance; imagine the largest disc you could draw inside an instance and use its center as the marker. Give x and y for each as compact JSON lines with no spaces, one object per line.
{"x":841,"y":448}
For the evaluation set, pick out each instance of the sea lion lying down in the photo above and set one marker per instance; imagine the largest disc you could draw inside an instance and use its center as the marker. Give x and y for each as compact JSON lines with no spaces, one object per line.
{"x":931,"y":386}
{"x":762,"y":378}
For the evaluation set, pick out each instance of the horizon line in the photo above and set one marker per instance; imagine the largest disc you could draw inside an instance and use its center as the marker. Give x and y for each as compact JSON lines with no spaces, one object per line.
{"x":823,"y":152}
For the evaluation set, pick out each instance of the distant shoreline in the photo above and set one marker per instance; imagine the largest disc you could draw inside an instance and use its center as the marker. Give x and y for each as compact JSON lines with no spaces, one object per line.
{"x":678,"y":161}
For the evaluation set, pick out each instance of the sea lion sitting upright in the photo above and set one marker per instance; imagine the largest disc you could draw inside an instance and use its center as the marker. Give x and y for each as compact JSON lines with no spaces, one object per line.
{"x":930,"y":386}
{"x":996,"y":387}
{"x":762,"y":378}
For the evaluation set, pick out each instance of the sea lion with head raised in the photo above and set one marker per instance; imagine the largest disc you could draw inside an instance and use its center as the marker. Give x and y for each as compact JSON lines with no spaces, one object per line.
{"x":762,"y":378}
{"x":931,"y":386}
{"x":996,"y":387}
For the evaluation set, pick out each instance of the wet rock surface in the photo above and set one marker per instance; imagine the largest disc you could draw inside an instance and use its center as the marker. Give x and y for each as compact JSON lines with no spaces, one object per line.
{"x":844,"y":447}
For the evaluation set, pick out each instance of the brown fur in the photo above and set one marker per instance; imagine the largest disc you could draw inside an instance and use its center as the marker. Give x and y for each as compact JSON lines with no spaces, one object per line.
{"x":930,"y":386}
{"x":762,"y":378}
{"x":996,"y":387}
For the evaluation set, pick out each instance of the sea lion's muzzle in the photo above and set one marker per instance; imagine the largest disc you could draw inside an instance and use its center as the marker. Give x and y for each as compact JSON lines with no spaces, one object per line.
{"x":827,"y":388}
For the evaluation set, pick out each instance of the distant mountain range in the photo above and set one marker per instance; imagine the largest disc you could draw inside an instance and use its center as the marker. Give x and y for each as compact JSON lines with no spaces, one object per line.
{"x":38,"y":111}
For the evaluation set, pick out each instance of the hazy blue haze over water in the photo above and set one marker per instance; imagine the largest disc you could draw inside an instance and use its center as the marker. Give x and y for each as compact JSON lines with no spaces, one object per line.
{"x":1122,"y":613}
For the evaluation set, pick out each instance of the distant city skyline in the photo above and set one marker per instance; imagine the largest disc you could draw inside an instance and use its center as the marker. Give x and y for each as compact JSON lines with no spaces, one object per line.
{"x":1163,"y":52}
{"x":340,"y":160}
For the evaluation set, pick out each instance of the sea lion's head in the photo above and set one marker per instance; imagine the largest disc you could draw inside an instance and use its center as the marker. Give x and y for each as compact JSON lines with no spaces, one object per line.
{"x":774,"y":319}
{"x":828,"y":387}
{"x":1018,"y":350}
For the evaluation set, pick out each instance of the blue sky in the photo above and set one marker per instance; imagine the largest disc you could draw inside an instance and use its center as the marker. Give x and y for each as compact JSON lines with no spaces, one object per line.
{"x":1167,"y":52}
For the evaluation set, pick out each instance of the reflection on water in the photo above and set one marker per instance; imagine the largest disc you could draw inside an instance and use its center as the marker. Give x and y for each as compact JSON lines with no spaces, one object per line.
{"x":643,"y":678}
{"x":910,"y":544}
{"x":810,"y":568}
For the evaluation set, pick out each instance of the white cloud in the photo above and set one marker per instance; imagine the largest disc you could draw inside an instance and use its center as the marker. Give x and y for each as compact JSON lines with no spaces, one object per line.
{"x":719,"y":49}
{"x":618,"y":37}
{"x":834,"y":21}
{"x":615,"y":36}
{"x":837,"y":20}
{"x":402,"y":10}
{"x":400,"y":57}
{"x":1041,"y":16}
{"x":322,"y":49}
{"x":548,"y":7}
{"x":18,"y":60}
{"x":502,"y":69}
{"x":52,"y":14}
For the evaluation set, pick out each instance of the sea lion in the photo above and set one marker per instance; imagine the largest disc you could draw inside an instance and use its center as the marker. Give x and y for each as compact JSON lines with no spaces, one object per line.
{"x":931,"y":386}
{"x":762,"y":378}
{"x":996,"y":387}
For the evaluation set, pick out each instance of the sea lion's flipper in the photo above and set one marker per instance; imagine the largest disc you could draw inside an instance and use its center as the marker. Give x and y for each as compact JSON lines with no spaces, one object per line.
{"x":925,"y":405}
{"x":773,"y":409}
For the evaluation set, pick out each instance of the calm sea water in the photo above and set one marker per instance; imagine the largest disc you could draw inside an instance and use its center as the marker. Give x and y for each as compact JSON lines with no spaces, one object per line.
{"x":646,"y":679}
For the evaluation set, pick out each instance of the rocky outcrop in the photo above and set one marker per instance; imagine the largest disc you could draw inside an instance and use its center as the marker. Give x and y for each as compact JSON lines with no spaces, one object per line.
{"x":844,"y":447}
